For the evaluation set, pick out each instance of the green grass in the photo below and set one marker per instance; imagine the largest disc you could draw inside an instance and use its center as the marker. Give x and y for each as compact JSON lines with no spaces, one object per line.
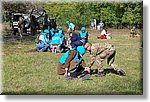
{"x":35,"y":73}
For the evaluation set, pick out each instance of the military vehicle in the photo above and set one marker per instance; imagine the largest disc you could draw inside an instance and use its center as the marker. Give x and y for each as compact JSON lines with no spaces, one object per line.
{"x":34,"y":20}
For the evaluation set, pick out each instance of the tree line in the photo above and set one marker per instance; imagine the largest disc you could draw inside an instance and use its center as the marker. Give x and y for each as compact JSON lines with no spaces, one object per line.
{"x":114,"y":14}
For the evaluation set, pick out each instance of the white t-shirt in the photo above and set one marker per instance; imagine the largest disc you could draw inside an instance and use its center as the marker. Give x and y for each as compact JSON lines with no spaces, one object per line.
{"x":104,"y":32}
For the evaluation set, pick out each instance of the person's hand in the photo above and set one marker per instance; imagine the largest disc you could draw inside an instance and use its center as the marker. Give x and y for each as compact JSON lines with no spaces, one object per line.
{"x":66,"y":72}
{"x":70,"y":47}
{"x":87,"y":69}
{"x":83,"y":37}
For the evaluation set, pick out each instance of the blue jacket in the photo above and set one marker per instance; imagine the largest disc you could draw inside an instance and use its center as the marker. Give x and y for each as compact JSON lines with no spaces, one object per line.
{"x":56,"y":39}
{"x":80,"y":49}
{"x":85,"y":34}
{"x":75,"y":40}
{"x":43,"y":39}
{"x":61,"y":35}
{"x":51,"y":33}
{"x":71,"y":25}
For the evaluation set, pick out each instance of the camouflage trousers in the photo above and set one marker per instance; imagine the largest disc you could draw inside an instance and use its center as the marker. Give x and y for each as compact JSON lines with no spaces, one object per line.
{"x":20,"y":31}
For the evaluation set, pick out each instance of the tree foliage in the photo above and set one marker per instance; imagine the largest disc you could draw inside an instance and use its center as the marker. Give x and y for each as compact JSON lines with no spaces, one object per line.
{"x":114,"y":14}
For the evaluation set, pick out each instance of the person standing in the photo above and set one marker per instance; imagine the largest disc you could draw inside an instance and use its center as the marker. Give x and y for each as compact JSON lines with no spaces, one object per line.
{"x":21,"y":26}
{"x":101,"y":24}
{"x":70,"y":25}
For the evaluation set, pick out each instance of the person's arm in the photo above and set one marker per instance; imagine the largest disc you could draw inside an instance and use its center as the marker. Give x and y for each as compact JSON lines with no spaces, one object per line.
{"x":92,"y":57}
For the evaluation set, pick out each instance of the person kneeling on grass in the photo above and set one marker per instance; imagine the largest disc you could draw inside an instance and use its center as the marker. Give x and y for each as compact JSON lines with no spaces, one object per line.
{"x":104,"y":34}
{"x":43,"y":43}
{"x":77,"y":66}
{"x":100,"y":52}
{"x":71,"y":64}
{"x":84,"y":35}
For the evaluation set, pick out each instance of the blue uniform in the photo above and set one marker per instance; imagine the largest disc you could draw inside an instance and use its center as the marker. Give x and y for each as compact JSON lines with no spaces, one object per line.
{"x":71,"y":25}
{"x":44,"y":43}
{"x":51,"y":33}
{"x":84,"y":34}
{"x":56,"y":39}
{"x":80,"y":49}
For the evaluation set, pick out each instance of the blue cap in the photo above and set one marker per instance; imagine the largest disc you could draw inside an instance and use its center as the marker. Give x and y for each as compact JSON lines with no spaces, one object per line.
{"x":46,"y":31}
{"x":60,"y":28}
{"x":67,"y":22}
{"x":83,"y":28}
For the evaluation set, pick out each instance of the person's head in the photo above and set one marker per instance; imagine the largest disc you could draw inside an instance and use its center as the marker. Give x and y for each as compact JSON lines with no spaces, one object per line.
{"x":55,"y":31}
{"x":60,"y":28}
{"x":83,"y":29}
{"x":20,"y":18}
{"x":46,"y":31}
{"x":67,"y":22}
{"x":87,"y":46}
{"x":52,"y":29}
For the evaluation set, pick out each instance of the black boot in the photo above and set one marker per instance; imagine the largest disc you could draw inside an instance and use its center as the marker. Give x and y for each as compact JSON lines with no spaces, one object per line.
{"x":85,"y":75}
{"x":101,"y":74}
{"x":121,"y":72}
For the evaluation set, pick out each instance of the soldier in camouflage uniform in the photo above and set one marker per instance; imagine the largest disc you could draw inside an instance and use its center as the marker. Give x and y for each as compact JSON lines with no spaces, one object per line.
{"x":133,"y":32}
{"x":21,"y":26}
{"x":100,"y":52}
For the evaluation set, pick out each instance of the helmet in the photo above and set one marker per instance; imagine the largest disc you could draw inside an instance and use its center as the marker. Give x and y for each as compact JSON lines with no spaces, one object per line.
{"x":83,"y":28}
{"x":67,"y":22}
{"x":81,"y":50}
{"x":60,"y":28}
{"x":46,"y":31}
{"x":52,"y":29}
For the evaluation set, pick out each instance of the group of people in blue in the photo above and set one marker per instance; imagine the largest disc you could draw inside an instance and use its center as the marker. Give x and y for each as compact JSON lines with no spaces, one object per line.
{"x":54,"y":39}
{"x":71,"y":64}
{"x":49,"y":40}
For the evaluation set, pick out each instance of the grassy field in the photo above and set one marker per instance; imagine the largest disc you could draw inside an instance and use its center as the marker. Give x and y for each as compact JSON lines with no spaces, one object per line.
{"x":35,"y":73}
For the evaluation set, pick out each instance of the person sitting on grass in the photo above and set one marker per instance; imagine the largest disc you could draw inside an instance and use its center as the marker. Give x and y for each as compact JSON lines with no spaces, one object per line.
{"x":104,"y":34}
{"x":84,"y":35}
{"x":43,"y":43}
{"x":57,"y":41}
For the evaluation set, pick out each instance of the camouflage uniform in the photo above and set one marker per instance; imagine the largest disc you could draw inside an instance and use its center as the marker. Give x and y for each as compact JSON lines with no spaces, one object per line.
{"x":101,"y":51}
{"x":133,"y":32}
{"x":21,"y":26}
